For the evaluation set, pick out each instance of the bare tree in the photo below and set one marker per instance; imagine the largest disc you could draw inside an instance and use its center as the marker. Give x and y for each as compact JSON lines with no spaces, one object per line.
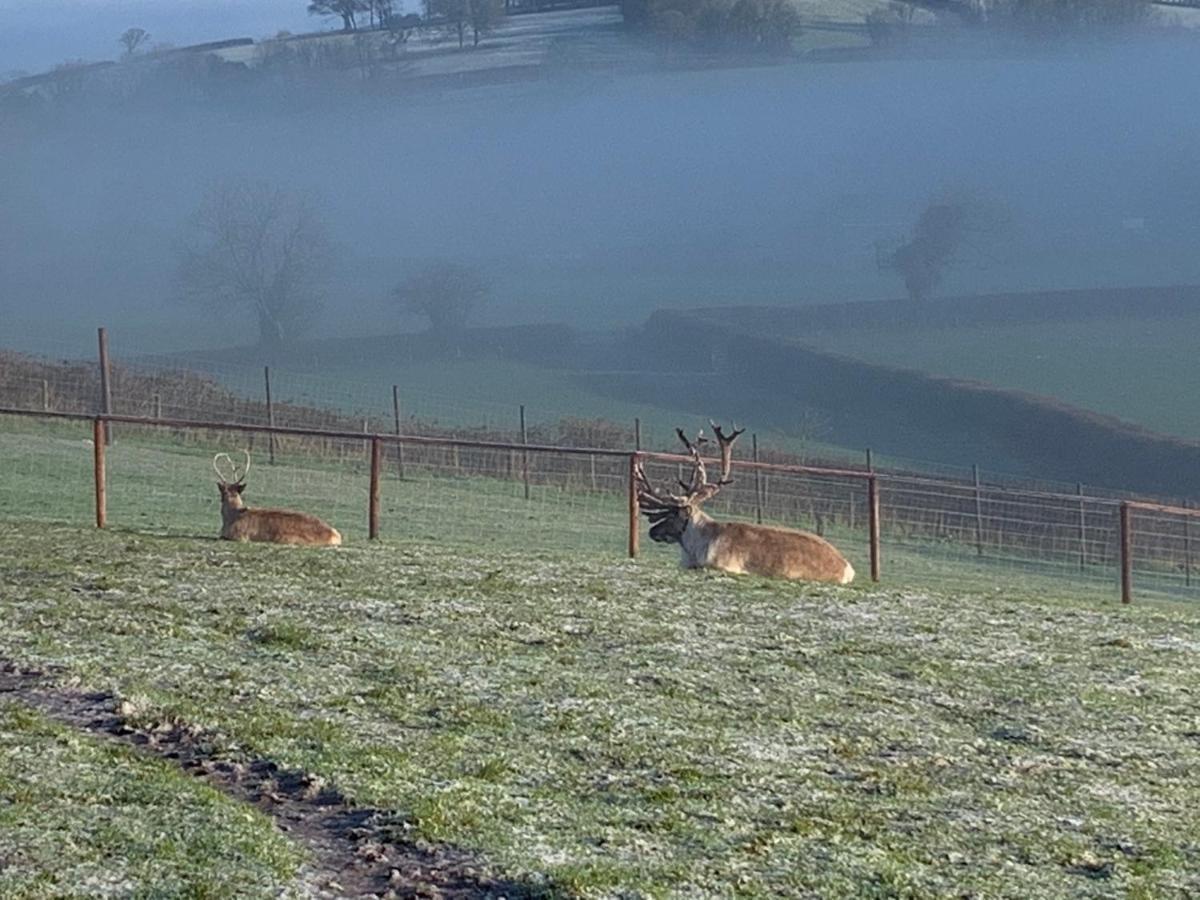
{"x":484,"y":16}
{"x":261,"y":248}
{"x":347,"y":9}
{"x":444,"y":292}
{"x":456,"y":17}
{"x":133,"y":38}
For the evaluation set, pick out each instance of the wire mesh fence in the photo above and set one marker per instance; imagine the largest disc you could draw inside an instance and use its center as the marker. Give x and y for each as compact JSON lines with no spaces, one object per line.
{"x":513,"y":476}
{"x":158,"y":478}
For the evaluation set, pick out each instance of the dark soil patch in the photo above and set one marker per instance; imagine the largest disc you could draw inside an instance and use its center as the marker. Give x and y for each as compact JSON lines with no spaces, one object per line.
{"x":355,"y":851}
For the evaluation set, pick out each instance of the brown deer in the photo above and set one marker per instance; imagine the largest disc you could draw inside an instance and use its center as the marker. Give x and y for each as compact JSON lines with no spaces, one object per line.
{"x":278,"y":526}
{"x":734,"y":547}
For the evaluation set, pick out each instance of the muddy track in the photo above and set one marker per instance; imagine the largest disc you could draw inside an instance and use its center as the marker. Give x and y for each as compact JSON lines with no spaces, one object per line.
{"x":354,"y":851}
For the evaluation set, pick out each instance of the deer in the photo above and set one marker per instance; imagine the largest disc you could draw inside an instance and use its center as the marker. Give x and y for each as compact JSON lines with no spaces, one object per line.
{"x":735,"y":547}
{"x":277,"y":526}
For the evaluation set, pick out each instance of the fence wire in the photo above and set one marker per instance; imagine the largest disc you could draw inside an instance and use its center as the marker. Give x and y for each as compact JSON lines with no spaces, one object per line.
{"x":942,"y":527}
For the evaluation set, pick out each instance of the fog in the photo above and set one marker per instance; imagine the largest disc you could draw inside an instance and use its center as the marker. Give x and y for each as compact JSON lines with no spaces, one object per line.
{"x":38,"y":34}
{"x":596,"y":199}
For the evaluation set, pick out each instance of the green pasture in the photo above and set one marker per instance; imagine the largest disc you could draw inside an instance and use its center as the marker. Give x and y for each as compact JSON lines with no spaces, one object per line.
{"x":1139,"y":370}
{"x":601,"y":727}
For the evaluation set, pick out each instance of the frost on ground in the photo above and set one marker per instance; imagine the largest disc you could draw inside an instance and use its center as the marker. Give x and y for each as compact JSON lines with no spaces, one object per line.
{"x":632,"y":729}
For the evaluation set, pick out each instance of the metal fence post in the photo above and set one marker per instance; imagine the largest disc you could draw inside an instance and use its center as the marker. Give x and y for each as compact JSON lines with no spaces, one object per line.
{"x":633,"y":506}
{"x":524,"y":453}
{"x":399,"y":445}
{"x":1126,"y":553}
{"x":1187,"y":546}
{"x":978,"y":511}
{"x":758,"y":504}
{"x":270,"y":416}
{"x":1082,"y":528}
{"x":873,"y":526}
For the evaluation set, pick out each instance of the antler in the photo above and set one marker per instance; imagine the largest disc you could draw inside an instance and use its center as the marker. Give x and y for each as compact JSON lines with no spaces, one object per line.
{"x":237,"y":477}
{"x":726,"y":443}
{"x":657,"y":504}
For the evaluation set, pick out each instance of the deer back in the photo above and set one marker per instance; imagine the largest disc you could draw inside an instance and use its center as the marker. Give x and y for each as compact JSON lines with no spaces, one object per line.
{"x":280,"y":526}
{"x":777,"y":553}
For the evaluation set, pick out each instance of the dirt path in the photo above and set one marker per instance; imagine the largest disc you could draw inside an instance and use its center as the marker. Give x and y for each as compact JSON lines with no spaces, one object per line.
{"x":353,"y":850}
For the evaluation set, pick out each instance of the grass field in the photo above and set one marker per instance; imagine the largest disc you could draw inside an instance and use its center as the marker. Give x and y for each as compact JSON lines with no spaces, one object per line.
{"x":1134,"y":369}
{"x":604,"y":727}
{"x":585,"y":724}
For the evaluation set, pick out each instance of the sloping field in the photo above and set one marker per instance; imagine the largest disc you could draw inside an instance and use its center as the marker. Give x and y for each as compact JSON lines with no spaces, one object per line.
{"x":602,"y":727}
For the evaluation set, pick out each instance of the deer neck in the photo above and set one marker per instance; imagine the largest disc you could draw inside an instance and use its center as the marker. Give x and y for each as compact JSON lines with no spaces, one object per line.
{"x":696,"y":541}
{"x":232,"y":510}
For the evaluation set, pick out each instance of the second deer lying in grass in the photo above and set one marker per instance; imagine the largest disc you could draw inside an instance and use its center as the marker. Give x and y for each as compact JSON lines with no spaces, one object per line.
{"x":277,"y":526}
{"x":735,"y":547}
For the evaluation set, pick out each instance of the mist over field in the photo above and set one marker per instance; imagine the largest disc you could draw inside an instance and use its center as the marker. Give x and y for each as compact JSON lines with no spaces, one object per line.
{"x":595,"y":200}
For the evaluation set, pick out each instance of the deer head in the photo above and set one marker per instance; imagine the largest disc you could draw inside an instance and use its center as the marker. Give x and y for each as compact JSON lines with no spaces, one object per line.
{"x":669,"y":513}
{"x":231,"y":488}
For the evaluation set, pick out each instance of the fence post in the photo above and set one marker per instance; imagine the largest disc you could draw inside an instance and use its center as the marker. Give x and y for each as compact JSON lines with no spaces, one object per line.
{"x":633,"y":506}
{"x":373,"y":500}
{"x":757,"y":480}
{"x":873,"y":525}
{"x":978,"y":511}
{"x":1187,"y":546}
{"x":45,"y":395}
{"x":524,"y":453}
{"x":637,"y":434}
{"x":158,"y":406}
{"x":1126,"y":553}
{"x":870,"y":463}
{"x":270,"y":416}
{"x":98,"y":471}
{"x":1082,"y":528}
{"x":105,"y":383}
{"x":399,"y":445}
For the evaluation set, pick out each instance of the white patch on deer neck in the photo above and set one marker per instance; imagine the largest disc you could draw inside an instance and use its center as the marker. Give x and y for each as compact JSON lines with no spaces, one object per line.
{"x":696,"y":544}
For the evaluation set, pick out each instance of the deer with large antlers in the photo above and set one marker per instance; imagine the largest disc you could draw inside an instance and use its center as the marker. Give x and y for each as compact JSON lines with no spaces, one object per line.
{"x":278,"y":526}
{"x":735,"y":547}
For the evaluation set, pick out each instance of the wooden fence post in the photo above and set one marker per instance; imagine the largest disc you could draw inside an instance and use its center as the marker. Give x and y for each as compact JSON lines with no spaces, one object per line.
{"x":270,"y":416}
{"x":45,"y":395}
{"x":637,"y":434}
{"x":1126,"y":553}
{"x":633,"y":506}
{"x":158,"y":406}
{"x":105,"y":383}
{"x":373,"y":499}
{"x":873,"y":526}
{"x":524,"y":453}
{"x":98,"y":472}
{"x":757,"y":480}
{"x":399,"y":445}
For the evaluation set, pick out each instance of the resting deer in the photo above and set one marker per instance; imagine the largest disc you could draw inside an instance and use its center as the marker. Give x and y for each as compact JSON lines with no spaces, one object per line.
{"x":279,"y":526}
{"x":734,"y":547}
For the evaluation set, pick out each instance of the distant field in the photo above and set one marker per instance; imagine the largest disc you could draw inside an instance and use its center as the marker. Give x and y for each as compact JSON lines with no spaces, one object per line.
{"x":1140,"y":370}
